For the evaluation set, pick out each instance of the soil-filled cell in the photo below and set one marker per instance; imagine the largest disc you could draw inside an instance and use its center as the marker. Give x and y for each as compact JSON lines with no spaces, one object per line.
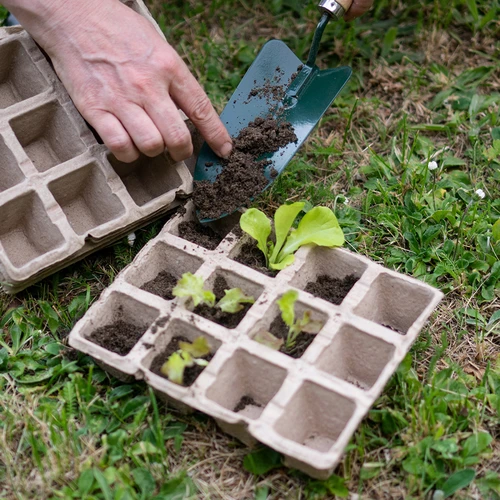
{"x":329,"y":274}
{"x":26,"y":231}
{"x":120,"y":324}
{"x":48,"y":136}
{"x":315,"y":417}
{"x":249,"y":255}
{"x":168,"y":343}
{"x":394,"y":303}
{"x":356,"y":357}
{"x":20,"y":79}
{"x":86,"y":198}
{"x":161,"y":269}
{"x":147,"y":178}
{"x":10,"y":172}
{"x":246,"y":384}
{"x":220,"y":281}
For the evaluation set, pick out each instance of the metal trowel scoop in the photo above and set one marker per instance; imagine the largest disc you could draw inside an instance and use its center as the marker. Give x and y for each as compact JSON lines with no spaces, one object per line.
{"x":307,"y":94}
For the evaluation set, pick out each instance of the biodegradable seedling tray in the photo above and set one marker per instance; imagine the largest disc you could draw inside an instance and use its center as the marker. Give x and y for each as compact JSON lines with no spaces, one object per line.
{"x":62,"y":193}
{"x":307,"y":407}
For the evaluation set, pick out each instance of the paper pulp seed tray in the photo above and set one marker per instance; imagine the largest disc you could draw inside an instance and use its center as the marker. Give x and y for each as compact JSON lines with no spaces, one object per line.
{"x":305,"y":407}
{"x":62,"y":193}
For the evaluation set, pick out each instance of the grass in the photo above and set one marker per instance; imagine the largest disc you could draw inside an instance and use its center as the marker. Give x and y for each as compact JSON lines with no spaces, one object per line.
{"x":425,"y":87}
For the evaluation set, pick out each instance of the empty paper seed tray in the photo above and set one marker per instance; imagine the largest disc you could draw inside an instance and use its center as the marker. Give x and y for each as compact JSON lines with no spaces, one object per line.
{"x":62,"y":193}
{"x":305,"y":404}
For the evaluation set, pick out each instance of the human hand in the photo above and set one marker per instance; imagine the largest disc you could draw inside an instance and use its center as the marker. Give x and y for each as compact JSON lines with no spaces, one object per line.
{"x":123,"y":77}
{"x":358,"y":8}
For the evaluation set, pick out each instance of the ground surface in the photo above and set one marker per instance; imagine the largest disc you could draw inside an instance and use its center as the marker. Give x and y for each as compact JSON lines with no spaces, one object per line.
{"x":425,"y":88}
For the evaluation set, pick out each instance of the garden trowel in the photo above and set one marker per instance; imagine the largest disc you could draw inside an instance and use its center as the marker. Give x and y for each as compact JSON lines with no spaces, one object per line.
{"x":307,"y":94}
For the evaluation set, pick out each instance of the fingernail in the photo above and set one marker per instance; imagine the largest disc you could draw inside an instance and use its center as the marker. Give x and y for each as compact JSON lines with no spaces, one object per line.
{"x":225,"y":150}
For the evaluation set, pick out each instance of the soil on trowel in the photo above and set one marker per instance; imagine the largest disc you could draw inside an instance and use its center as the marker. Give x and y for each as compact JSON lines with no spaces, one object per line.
{"x":251,"y":256}
{"x":201,"y":235}
{"x":244,"y":402}
{"x":242,"y":177}
{"x":332,"y":289}
{"x":119,"y":337}
{"x":191,"y":373}
{"x":229,"y":320}
{"x":279,"y":329}
{"x":162,"y":285}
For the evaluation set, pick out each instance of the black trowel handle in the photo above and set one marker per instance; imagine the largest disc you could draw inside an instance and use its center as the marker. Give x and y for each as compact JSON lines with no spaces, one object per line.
{"x":335,"y":8}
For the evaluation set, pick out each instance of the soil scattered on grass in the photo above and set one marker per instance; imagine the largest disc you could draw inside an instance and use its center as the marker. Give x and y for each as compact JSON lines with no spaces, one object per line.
{"x":280,"y":330}
{"x":201,"y":235}
{"x":229,"y":320}
{"x":118,"y":337}
{"x":162,"y":285}
{"x":332,"y":289}
{"x":251,"y":256}
{"x":244,"y":402}
{"x":242,"y":177}
{"x":190,"y":374}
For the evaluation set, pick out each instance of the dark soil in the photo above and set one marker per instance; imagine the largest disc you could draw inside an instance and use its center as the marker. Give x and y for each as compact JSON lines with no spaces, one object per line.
{"x":190,"y":374}
{"x":162,"y":285}
{"x":214,"y":314}
{"x":244,"y":402}
{"x":118,"y":337}
{"x":252,"y":257}
{"x":394,"y":329}
{"x":195,"y":232}
{"x":302,"y":342}
{"x":159,"y":323}
{"x":242,"y":177}
{"x":332,"y":289}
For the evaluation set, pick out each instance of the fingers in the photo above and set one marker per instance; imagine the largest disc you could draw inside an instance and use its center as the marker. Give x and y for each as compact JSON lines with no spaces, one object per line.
{"x":358,"y":8}
{"x":191,"y":98}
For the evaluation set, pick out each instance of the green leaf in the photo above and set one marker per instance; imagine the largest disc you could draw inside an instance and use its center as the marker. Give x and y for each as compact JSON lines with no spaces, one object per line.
{"x":288,"y":260}
{"x":318,"y":226}
{"x":477,"y":443}
{"x":493,"y":319}
{"x":495,"y":232}
{"x":174,"y":367}
{"x":86,"y":481}
{"x":103,"y":484}
{"x":262,"y":461}
{"x":180,"y":488}
{"x":268,"y":339}
{"x":144,"y":479}
{"x":258,"y":226}
{"x":457,"y":481}
{"x":197,"y":349}
{"x":233,"y":300}
{"x":261,"y":493}
{"x":192,"y":286}
{"x":287,"y":306}
{"x":283,"y":220}
{"x":308,"y":325}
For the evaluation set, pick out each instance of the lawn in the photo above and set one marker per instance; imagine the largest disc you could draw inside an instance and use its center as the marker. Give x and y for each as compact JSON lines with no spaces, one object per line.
{"x":409,"y":159}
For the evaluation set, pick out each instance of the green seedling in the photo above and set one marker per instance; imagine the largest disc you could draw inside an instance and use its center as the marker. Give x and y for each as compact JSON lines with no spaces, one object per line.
{"x":188,"y":355}
{"x":193,"y":287}
{"x":319,"y":226}
{"x":296,"y":326}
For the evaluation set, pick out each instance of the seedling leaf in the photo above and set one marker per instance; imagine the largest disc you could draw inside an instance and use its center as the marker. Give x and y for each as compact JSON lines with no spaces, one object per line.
{"x":268,"y":339}
{"x":192,"y":286}
{"x":287,"y":307}
{"x":233,"y":300}
{"x":258,"y":226}
{"x":197,"y":349}
{"x":283,"y":220}
{"x":289,"y":259}
{"x":174,"y":367}
{"x":308,"y":325}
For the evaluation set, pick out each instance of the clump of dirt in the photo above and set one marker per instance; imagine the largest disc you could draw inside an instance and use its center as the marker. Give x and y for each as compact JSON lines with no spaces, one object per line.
{"x":201,"y":235}
{"x":244,"y":402}
{"x":229,"y":320}
{"x":251,"y":256}
{"x":162,"y":285}
{"x":119,"y":337}
{"x":280,"y":330}
{"x":190,"y":374}
{"x":332,"y":289}
{"x":242,"y":177}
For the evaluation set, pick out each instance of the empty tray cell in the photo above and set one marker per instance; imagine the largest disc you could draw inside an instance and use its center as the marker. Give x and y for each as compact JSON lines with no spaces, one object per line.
{"x":161,"y":269}
{"x":246,"y":384}
{"x":86,"y":198}
{"x":394,"y":303}
{"x":147,"y":178}
{"x":329,"y":274}
{"x":220,"y":281}
{"x":26,"y":232}
{"x":10,"y":172}
{"x":121,"y":322}
{"x":47,"y":135}
{"x":356,"y":357}
{"x":315,"y":417}
{"x":168,"y":342}
{"x":20,"y":79}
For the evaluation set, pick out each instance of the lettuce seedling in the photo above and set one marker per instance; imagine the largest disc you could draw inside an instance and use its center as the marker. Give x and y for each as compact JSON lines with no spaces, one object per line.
{"x":296,"y":326}
{"x":319,"y":226}
{"x":192,"y":286}
{"x":188,"y":355}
